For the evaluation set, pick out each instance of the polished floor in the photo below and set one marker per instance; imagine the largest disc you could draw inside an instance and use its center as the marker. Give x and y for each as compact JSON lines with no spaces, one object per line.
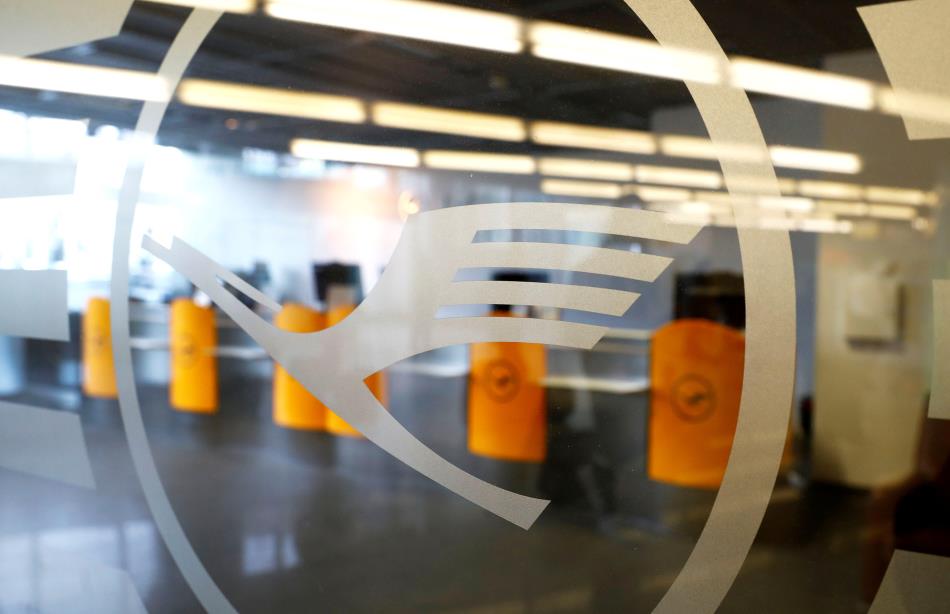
{"x":303,"y":522}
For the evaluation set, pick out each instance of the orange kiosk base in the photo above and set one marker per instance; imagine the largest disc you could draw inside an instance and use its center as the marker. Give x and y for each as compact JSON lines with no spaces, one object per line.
{"x":294,"y":406}
{"x":507,"y":414}
{"x":194,"y":368}
{"x":98,"y":365}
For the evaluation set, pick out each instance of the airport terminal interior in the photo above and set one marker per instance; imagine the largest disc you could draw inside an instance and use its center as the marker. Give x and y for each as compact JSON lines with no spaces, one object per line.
{"x":474,"y":306}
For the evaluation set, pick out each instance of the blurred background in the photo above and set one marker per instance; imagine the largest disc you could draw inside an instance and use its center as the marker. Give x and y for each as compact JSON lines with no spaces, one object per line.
{"x":303,"y":136}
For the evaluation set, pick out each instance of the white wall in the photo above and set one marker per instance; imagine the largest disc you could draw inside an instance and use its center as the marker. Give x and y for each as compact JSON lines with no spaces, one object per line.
{"x":238,"y":219}
{"x":869,"y":400}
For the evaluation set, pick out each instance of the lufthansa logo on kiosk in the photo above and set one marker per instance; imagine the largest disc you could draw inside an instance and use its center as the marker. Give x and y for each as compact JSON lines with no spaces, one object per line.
{"x":502,"y":380}
{"x":186,"y":350}
{"x":693,"y":398}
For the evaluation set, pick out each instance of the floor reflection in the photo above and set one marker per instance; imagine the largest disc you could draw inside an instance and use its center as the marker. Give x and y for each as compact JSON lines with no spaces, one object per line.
{"x":268,"y":553}
{"x":79,"y":569}
{"x":297,"y":522}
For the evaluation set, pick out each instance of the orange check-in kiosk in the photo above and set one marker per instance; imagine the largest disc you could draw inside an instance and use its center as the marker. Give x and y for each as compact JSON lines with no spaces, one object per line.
{"x":696,"y":382}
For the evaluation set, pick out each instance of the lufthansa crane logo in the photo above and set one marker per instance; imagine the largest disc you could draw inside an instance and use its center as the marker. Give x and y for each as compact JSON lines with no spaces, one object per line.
{"x":399,"y":317}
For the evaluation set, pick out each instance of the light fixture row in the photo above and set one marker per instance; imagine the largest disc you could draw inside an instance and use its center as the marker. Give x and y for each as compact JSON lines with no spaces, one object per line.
{"x":119,"y":83}
{"x":45,"y":74}
{"x":673,"y":183}
{"x":505,"y":33}
{"x":328,"y":107}
{"x":512,"y":164}
{"x":712,"y":204}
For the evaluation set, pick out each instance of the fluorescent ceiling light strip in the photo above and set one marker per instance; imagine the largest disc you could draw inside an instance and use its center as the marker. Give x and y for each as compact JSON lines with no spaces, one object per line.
{"x":892,"y":212}
{"x":592,"y":137}
{"x":585,"y":169}
{"x":270,"y":100}
{"x":801,"y":83}
{"x":696,"y":207}
{"x":684,"y":177}
{"x":845,"y":208}
{"x":585,"y":189}
{"x":816,"y":159}
{"x":786,"y":203}
{"x":448,"y":121}
{"x":230,"y":6}
{"x":830,"y":189}
{"x":825,"y":226}
{"x":587,"y":47}
{"x":693,"y":208}
{"x":429,"y":21}
{"x":724,"y":198}
{"x":903,"y":196}
{"x":479,"y":162}
{"x":807,"y":224}
{"x":349,"y":152}
{"x":777,"y":223}
{"x":82,"y":79}
{"x":812,"y":215}
{"x":753,"y":185}
{"x":652,"y":194}
{"x":680,"y":146}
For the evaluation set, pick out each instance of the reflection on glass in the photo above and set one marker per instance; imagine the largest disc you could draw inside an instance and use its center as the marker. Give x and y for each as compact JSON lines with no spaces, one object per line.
{"x":305,"y":142}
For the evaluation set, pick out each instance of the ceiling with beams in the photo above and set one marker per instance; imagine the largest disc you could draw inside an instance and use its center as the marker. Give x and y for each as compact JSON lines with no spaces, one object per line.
{"x":259,"y":50}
